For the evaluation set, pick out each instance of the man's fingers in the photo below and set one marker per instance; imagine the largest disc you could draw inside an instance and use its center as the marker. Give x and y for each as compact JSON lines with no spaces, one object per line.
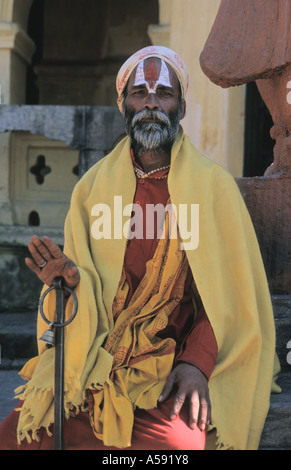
{"x":72,"y":276}
{"x":199,"y":412}
{"x":193,"y":389}
{"x":38,"y":258}
{"x":72,"y":271}
{"x":168,"y":387}
{"x":48,"y":261}
{"x":41,"y":247}
{"x":45,"y":247}
{"x":177,"y":405}
{"x":45,"y":250}
{"x":32,"y":265}
{"x":54,"y":249}
{"x":194,"y":410}
{"x":203,"y":414}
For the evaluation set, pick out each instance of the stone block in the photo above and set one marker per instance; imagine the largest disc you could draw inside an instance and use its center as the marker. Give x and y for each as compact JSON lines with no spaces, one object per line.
{"x":268,"y":200}
{"x":282,"y":315}
{"x":80,"y":127}
{"x":19,"y":287}
{"x":18,"y":338}
{"x":276,"y":433}
{"x":43,"y":176}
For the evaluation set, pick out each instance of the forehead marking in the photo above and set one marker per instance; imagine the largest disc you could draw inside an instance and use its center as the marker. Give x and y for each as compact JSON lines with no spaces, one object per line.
{"x":151,"y":80}
{"x":151,"y":73}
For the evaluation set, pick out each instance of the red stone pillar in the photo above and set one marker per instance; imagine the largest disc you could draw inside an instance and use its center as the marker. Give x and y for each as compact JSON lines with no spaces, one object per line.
{"x":251,"y":41}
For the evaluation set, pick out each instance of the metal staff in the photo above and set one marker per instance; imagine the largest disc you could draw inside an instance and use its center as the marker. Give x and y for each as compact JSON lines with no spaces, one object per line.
{"x":55,"y":337}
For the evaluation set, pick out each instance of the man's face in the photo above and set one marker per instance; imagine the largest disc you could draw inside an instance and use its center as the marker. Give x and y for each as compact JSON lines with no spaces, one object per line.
{"x":152,"y":106}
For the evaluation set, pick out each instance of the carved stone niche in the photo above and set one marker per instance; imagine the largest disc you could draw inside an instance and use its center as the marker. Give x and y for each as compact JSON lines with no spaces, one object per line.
{"x":43,"y":175}
{"x":251,"y":41}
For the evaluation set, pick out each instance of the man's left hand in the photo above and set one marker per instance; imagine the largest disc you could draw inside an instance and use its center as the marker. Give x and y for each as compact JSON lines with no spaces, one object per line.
{"x":192,"y":385}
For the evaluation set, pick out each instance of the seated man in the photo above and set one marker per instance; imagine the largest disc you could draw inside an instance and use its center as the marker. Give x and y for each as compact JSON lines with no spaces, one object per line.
{"x":168,"y":318}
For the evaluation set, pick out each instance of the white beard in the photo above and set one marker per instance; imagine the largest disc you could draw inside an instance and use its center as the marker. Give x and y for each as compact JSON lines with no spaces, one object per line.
{"x":152,"y":135}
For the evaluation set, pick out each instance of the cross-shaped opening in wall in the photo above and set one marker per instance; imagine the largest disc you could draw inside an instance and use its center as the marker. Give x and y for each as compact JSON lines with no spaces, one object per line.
{"x":40,"y":170}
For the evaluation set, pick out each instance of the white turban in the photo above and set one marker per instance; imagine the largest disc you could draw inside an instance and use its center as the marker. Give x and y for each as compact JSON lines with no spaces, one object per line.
{"x":161,"y":52}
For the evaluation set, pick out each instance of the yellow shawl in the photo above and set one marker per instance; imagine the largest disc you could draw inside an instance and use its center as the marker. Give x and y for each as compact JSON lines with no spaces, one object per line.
{"x":230,"y":277}
{"x":142,"y":361}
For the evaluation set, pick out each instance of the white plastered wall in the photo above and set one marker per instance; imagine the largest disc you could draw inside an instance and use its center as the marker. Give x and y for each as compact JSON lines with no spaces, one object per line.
{"x":215,"y":117}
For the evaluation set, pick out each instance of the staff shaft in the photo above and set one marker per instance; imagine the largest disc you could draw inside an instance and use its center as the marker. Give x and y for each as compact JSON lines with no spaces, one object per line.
{"x":59,"y":366}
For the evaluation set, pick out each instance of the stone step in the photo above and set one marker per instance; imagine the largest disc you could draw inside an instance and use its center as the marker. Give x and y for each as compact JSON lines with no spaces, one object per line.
{"x":18,"y":330}
{"x":276,"y":434}
{"x":17,"y":338}
{"x":9,"y":380}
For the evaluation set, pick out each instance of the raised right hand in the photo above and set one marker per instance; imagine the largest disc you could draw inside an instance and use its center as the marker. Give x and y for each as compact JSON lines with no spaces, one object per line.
{"x":56,"y":264}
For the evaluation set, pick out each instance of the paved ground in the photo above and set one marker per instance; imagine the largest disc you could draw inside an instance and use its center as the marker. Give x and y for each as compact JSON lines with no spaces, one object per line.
{"x":9,"y":380}
{"x":17,"y":337}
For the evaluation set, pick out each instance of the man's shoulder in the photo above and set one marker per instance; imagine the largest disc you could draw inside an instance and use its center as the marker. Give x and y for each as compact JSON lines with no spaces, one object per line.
{"x":99,"y":172}
{"x":103,"y":164}
{"x":205,"y":165}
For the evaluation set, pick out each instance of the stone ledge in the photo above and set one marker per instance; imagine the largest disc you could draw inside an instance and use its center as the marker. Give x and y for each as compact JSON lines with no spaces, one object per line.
{"x":276,"y":434}
{"x":17,"y":337}
{"x":19,"y":235}
{"x":81,"y":127}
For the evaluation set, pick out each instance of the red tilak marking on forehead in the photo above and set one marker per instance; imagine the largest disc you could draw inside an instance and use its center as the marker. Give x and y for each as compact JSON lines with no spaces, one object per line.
{"x":151,"y":73}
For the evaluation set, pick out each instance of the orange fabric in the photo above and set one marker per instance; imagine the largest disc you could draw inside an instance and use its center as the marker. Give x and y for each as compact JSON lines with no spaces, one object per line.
{"x":195,"y":340}
{"x":152,"y":430}
{"x":142,"y":360}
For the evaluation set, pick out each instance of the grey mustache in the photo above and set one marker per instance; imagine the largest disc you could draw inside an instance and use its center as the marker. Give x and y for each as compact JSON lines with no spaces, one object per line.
{"x":147,"y":114}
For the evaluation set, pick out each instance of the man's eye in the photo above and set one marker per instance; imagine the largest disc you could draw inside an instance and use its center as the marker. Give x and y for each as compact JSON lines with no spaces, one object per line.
{"x":139,"y":92}
{"x":164,"y":93}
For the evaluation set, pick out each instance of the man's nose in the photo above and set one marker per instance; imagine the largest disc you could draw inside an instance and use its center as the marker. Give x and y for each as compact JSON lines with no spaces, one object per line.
{"x":152,"y":101}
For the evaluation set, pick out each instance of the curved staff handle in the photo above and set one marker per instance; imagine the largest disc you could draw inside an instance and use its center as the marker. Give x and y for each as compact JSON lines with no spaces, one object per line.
{"x":59,"y":324}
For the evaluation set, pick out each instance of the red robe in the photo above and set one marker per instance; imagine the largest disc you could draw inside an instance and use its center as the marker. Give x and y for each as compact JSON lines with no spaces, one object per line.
{"x":196,"y":343}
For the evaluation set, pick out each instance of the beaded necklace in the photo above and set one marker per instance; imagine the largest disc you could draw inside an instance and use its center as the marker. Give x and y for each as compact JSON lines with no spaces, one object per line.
{"x":141,"y":174}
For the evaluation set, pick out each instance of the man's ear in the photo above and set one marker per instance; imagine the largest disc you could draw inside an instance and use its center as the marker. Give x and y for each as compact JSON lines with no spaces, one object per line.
{"x":183,"y":109}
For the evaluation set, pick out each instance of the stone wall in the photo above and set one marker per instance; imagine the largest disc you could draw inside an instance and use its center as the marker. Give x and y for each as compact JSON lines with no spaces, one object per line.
{"x":67,"y":138}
